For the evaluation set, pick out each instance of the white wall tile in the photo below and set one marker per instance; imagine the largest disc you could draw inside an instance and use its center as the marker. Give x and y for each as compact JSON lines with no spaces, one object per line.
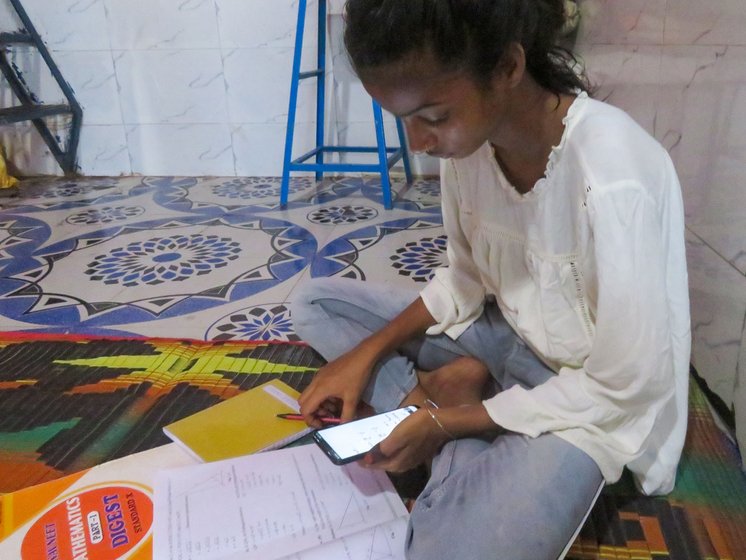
{"x":626,"y":76}
{"x":735,"y":249}
{"x":150,"y":62}
{"x":335,"y":6}
{"x":162,"y":24}
{"x":352,"y":102}
{"x":187,"y":149}
{"x":260,"y":148}
{"x":258,"y":86}
{"x":718,"y":304}
{"x":179,"y":86}
{"x":727,"y":237}
{"x":700,"y":119}
{"x":103,"y":151}
{"x":9,"y":20}
{"x":7,"y":97}
{"x":70,"y":24}
{"x":265,"y":23}
{"x":635,"y":22}
{"x":335,"y":41}
{"x":91,"y":76}
{"x":739,"y":397}
{"x":715,"y":22}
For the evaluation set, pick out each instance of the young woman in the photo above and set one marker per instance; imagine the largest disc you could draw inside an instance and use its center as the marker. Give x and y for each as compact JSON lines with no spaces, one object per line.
{"x":556,"y":341}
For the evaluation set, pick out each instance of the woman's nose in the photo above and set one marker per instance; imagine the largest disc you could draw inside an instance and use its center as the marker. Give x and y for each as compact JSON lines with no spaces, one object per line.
{"x":420,"y":139}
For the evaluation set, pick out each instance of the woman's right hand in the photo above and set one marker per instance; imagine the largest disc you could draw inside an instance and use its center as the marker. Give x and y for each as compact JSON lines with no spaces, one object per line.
{"x":343,"y":380}
{"x":340,"y":381}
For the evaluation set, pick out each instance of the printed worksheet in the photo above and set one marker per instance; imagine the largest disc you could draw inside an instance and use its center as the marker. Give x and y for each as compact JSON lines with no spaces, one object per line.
{"x":267,"y":506}
{"x":385,"y":542}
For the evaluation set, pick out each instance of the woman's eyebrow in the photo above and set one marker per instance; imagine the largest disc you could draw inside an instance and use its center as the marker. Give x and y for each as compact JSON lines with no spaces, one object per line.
{"x":420,"y":108}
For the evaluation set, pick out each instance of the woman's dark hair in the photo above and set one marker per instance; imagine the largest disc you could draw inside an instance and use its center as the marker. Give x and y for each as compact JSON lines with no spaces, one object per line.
{"x":470,"y":35}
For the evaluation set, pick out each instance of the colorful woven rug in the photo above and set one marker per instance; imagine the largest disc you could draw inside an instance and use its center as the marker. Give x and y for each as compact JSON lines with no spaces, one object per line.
{"x":67,"y":403}
{"x":704,"y":518}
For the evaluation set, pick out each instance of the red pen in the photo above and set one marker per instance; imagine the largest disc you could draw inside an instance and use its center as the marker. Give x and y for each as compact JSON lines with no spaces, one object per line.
{"x":325,"y":419}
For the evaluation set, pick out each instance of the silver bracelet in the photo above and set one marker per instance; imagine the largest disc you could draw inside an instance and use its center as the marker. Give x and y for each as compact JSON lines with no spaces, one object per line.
{"x":428,"y":406}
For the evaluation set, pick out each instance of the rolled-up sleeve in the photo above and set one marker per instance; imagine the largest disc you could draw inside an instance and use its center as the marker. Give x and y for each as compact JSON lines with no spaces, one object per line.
{"x":608,"y":407}
{"x":455,"y":294}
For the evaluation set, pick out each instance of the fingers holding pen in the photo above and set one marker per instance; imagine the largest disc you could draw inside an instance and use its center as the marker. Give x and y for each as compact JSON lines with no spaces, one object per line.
{"x":335,"y":388}
{"x":326,"y":413}
{"x":319,"y":401}
{"x":310,"y":409}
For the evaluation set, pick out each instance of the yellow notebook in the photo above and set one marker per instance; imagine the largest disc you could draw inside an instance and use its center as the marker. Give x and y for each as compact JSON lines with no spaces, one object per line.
{"x":246,"y":423}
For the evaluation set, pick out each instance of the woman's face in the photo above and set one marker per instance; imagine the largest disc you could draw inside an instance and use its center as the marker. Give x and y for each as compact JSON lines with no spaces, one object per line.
{"x":446,"y":114}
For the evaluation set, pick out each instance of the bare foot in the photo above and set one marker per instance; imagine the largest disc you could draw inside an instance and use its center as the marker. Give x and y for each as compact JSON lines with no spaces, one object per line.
{"x":461,"y":381}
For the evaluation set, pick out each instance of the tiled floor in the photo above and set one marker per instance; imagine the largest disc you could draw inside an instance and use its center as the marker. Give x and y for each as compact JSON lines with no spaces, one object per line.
{"x":204,"y":258}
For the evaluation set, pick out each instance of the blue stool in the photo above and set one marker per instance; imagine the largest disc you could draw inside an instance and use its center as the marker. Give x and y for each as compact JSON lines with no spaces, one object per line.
{"x":386,"y":156}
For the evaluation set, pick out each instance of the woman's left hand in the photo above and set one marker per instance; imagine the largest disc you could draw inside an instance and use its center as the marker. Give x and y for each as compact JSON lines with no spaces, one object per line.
{"x":414,"y":441}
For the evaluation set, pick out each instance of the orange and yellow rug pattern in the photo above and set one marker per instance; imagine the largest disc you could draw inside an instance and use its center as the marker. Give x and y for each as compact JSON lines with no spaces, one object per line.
{"x":68,"y":403}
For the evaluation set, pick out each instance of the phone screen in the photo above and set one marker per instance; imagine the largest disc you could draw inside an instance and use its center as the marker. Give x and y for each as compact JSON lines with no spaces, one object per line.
{"x":350,"y":441}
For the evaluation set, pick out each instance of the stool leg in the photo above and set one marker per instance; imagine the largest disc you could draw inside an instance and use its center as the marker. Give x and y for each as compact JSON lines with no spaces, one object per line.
{"x":320,"y":85}
{"x":404,"y":150}
{"x":382,"y":155}
{"x":294,"y":80}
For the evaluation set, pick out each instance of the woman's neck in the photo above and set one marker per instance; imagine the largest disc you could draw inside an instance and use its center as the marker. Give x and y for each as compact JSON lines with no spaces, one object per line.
{"x":523,"y":144}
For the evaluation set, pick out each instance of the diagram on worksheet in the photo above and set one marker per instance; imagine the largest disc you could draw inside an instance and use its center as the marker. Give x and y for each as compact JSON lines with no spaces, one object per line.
{"x":381,"y":544}
{"x":212,"y":483}
{"x":352,"y":515}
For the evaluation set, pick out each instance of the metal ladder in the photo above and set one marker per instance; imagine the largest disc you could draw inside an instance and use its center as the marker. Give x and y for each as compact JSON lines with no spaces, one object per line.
{"x":387,"y":156}
{"x":31,"y":109}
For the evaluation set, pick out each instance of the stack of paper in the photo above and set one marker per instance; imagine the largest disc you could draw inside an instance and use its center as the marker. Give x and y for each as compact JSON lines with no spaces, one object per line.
{"x":290,"y":503}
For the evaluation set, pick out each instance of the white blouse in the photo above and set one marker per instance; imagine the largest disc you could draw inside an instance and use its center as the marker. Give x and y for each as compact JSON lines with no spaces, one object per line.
{"x":589,"y":268}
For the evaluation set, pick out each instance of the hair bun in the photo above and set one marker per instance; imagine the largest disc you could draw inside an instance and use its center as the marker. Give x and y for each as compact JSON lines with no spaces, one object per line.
{"x":552,"y":15}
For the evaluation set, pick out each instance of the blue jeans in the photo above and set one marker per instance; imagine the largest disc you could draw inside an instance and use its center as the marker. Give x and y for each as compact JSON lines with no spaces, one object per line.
{"x":508,"y":498}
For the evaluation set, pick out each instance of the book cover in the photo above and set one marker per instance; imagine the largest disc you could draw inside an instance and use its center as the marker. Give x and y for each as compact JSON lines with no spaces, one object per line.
{"x":102,"y":513}
{"x":244,"y":424}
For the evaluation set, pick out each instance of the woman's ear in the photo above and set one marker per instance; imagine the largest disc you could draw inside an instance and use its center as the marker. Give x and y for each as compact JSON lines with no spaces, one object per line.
{"x":512,"y":67}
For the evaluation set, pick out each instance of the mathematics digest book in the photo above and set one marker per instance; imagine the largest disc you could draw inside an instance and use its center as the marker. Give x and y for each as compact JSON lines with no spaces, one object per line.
{"x":103,"y":513}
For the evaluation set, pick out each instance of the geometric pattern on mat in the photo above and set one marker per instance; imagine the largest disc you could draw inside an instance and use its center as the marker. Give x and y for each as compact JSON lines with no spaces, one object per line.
{"x":67,"y":403}
{"x":704,"y":518}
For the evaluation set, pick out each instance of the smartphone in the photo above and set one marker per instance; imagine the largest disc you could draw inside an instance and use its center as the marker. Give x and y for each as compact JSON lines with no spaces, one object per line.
{"x":349,"y":442}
